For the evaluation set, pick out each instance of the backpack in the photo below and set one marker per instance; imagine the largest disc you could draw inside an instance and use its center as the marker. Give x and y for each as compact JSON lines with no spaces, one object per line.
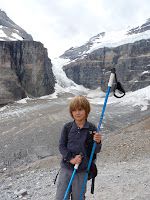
{"x":92,"y":173}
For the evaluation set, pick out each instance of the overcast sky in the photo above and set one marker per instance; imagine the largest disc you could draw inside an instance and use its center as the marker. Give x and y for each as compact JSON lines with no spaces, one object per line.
{"x":61,"y":24}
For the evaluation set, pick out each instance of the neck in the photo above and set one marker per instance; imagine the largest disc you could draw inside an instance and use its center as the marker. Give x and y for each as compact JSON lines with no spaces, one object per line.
{"x":80,"y":123}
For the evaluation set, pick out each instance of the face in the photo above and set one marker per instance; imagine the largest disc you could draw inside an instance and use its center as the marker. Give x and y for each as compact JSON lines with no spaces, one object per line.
{"x":79,"y":114}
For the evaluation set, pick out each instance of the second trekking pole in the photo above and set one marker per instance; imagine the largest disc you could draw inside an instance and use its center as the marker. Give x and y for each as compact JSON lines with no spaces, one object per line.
{"x":110,"y":83}
{"x":74,"y":171}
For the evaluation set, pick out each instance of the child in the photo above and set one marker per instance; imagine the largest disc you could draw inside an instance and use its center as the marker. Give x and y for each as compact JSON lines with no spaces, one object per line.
{"x":70,"y":146}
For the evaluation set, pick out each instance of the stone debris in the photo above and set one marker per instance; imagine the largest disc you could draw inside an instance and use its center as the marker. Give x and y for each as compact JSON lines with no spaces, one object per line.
{"x":122,"y":174}
{"x":21,"y":192}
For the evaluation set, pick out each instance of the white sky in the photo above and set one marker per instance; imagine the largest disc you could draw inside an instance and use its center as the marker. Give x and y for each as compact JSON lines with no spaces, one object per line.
{"x":61,"y":24}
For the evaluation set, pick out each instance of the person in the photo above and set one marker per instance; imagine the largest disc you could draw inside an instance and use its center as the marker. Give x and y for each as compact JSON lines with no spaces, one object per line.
{"x":70,"y":146}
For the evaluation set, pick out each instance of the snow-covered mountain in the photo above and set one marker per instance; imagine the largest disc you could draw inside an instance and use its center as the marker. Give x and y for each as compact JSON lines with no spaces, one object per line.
{"x":109,"y":39}
{"x":73,"y":83}
{"x":89,"y":65}
{"x":9,"y":31}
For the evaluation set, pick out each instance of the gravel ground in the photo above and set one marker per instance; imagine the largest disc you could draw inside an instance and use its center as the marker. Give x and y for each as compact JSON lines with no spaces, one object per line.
{"x":123,"y":170}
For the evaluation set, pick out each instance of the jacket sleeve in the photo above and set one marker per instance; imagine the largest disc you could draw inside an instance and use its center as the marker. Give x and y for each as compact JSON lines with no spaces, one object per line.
{"x":66,"y":154}
{"x":98,"y":147}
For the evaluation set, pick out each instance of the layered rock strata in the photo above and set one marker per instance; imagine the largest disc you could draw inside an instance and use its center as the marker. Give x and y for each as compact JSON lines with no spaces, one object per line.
{"x":132,"y":63}
{"x":25,"y":70}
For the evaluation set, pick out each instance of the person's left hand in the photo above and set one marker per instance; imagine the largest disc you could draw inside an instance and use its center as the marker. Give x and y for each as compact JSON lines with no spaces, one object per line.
{"x":97,"y":137}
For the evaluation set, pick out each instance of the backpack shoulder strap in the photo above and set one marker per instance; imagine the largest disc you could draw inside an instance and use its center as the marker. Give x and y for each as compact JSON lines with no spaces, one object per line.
{"x":89,"y":140}
{"x":68,"y":127}
{"x":92,"y":127}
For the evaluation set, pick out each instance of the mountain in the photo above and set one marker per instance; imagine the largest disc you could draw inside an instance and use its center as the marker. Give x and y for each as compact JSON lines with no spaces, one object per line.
{"x":127,"y":50}
{"x":25,"y":68}
{"x":30,"y":128}
{"x":111,"y":39}
{"x":9,"y":31}
{"x":139,"y":29}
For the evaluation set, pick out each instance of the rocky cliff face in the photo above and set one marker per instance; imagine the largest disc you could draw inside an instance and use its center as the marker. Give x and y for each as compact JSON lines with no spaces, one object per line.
{"x":25,"y":70}
{"x":131,"y":58}
{"x":132,"y":63}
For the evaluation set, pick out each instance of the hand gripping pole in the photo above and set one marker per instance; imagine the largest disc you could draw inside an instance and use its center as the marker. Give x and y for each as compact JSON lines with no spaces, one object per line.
{"x":112,"y":75}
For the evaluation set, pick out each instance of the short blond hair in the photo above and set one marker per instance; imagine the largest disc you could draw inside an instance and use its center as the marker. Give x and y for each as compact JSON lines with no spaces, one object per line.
{"x":79,"y":101}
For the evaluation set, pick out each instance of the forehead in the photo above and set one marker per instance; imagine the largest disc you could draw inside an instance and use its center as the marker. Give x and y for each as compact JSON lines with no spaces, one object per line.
{"x":78,"y":107}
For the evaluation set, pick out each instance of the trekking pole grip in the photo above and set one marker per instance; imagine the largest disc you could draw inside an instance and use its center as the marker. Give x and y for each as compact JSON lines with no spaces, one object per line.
{"x":112,"y":75}
{"x":77,"y":165}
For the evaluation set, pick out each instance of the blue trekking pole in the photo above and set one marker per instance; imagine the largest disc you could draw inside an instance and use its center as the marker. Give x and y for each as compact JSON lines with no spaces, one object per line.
{"x":74,"y":171}
{"x":112,"y":76}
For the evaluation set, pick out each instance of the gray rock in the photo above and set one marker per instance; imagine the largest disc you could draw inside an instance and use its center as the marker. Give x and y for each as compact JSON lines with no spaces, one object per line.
{"x":130,"y":60}
{"x":25,"y":70}
{"x":22,"y":192}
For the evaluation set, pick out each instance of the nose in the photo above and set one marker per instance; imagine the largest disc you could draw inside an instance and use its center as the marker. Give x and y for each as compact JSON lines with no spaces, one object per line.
{"x":77,"y":111}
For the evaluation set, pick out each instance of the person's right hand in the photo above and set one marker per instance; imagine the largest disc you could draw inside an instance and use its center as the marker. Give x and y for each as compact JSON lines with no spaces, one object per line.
{"x":76,"y":160}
